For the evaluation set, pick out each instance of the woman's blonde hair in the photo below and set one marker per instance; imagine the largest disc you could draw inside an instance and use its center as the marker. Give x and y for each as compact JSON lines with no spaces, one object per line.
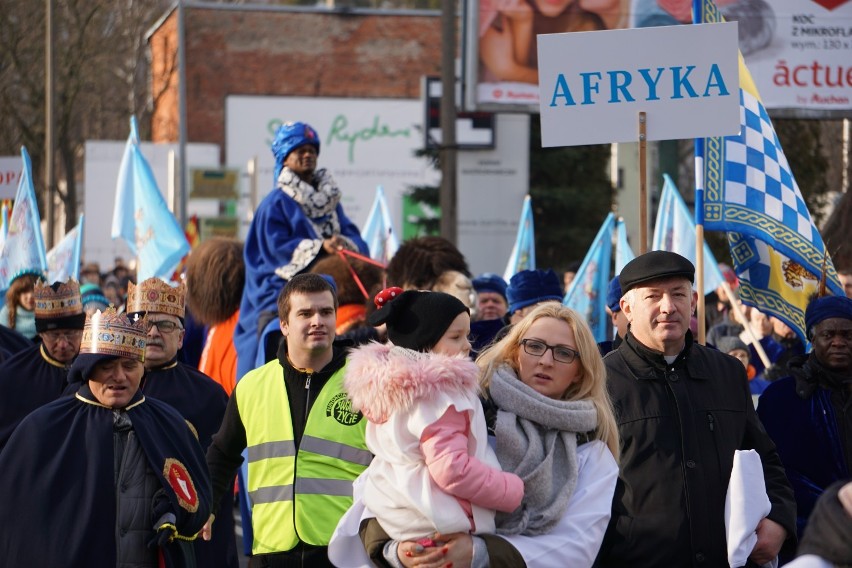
{"x":592,"y":383}
{"x":19,"y":286}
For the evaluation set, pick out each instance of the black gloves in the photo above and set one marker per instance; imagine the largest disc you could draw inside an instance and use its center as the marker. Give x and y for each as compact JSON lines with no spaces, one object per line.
{"x":164,"y":520}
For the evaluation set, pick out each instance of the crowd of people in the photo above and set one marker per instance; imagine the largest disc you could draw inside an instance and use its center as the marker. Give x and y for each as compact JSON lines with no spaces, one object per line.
{"x":411,"y":415}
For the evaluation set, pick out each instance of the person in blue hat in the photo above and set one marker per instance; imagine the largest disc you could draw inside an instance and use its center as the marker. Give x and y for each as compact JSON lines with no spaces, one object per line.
{"x":528,"y":288}
{"x":491,"y":308}
{"x":300,"y":221}
{"x":807,"y":414}
{"x":619,"y":320}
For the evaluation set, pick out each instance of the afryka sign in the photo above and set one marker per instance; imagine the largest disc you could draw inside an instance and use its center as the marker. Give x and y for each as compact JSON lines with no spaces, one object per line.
{"x":593,"y":85}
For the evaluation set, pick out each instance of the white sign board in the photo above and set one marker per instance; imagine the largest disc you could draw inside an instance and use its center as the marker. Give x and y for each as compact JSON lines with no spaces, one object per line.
{"x":364,"y":143}
{"x":593,"y":85}
{"x":10,"y":174}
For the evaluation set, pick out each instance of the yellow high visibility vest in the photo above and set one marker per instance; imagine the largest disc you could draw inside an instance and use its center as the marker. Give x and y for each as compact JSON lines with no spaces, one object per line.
{"x":298,"y":496}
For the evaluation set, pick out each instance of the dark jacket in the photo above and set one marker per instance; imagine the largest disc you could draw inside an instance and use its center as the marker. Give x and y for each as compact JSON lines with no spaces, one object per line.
{"x":679,"y":425}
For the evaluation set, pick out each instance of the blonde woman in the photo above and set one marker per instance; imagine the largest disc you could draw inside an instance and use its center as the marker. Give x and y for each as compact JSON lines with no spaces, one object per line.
{"x":547,"y":406}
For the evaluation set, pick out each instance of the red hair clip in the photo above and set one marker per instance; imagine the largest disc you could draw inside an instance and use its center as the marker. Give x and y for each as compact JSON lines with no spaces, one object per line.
{"x":386,"y":295}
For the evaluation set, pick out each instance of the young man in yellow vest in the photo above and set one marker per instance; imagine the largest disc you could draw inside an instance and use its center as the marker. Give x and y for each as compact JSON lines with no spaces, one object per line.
{"x":305,"y":445}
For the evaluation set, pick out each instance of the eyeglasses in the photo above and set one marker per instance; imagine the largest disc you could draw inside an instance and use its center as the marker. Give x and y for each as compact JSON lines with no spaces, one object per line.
{"x":538,"y":348}
{"x":164,"y":326}
{"x":68,"y":335}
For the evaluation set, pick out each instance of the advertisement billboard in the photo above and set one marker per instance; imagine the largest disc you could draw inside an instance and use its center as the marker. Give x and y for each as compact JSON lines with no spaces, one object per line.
{"x":364,"y":143}
{"x":798,"y":51}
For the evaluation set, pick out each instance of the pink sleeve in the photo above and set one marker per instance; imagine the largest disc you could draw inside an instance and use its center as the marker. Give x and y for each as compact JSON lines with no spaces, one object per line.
{"x":445,"y":448}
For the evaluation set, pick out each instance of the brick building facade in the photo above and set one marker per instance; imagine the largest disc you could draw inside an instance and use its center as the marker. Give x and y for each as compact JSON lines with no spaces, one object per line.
{"x":284,"y":51}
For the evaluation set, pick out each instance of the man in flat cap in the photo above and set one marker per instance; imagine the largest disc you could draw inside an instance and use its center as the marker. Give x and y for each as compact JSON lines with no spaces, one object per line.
{"x":200,"y":399}
{"x":682,"y":411}
{"x":809,"y":414}
{"x":38,"y":375}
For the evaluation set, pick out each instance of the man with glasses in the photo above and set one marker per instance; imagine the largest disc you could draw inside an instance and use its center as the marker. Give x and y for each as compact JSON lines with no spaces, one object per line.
{"x":38,"y":375}
{"x":683,"y":410}
{"x":200,"y":399}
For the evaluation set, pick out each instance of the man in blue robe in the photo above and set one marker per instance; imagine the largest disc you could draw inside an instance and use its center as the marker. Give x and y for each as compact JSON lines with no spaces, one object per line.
{"x":106,"y":477}
{"x":300,"y":221}
{"x":809,"y":414}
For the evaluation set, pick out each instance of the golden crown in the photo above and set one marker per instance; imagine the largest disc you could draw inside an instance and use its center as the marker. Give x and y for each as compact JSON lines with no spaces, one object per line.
{"x":155,"y":295}
{"x":112,"y":333}
{"x":63,"y":302}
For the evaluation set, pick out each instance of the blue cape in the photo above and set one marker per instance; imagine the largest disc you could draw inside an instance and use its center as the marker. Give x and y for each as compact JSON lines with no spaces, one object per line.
{"x":58,"y":493}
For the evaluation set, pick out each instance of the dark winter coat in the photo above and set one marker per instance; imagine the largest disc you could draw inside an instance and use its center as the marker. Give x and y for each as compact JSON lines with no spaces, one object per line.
{"x":680,"y":425}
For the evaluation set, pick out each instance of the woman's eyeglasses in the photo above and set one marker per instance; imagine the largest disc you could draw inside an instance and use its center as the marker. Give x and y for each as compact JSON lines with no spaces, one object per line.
{"x":561,"y":353}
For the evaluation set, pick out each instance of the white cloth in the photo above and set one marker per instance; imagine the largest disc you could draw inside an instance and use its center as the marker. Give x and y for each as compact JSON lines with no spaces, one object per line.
{"x":809,"y":561}
{"x":574,"y":542}
{"x":746,"y":504}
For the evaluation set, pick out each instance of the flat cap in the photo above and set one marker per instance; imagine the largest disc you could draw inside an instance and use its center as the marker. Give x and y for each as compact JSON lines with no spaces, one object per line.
{"x":654,"y":265}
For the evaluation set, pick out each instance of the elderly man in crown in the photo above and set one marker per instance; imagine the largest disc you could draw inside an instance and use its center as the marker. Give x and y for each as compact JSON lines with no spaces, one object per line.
{"x":107,"y":477}
{"x":39,"y":374}
{"x":200,"y":399}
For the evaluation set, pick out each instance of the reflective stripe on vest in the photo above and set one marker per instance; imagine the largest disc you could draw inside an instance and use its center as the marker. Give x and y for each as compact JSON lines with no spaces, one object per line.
{"x":332,"y":453}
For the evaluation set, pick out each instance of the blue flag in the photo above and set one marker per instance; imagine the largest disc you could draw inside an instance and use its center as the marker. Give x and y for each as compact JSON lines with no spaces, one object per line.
{"x":523,"y":251}
{"x":63,"y":260}
{"x":587,"y":293}
{"x":23,"y":249}
{"x":623,"y":251}
{"x":141,"y":217}
{"x":378,"y":231}
{"x":745,"y":187}
{"x":4,"y":225}
{"x":675,"y":232}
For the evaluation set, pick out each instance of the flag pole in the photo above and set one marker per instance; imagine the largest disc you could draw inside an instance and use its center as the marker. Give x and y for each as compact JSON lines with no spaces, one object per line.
{"x":700,"y":309}
{"x":643,"y":184}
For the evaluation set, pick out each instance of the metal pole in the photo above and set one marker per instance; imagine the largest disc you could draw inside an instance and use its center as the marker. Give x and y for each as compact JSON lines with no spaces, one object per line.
{"x":182,"y":112}
{"x":49,"y":136}
{"x":449,"y":225}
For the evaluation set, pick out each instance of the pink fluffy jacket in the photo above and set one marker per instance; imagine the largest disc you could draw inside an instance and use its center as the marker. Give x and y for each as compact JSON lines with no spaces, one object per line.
{"x":382,"y":380}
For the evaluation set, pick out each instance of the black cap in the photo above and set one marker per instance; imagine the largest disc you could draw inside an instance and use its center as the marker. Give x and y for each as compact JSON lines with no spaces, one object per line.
{"x":417,"y":319}
{"x":653,"y":266}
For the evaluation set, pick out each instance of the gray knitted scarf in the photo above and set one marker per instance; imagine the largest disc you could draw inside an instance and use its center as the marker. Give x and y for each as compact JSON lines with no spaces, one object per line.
{"x":537,"y":440}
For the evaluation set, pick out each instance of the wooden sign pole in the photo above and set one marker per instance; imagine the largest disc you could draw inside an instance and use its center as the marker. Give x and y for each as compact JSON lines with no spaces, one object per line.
{"x":643,"y":185}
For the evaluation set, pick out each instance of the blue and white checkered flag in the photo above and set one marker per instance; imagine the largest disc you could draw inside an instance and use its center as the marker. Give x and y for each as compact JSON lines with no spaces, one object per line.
{"x":745,"y":187}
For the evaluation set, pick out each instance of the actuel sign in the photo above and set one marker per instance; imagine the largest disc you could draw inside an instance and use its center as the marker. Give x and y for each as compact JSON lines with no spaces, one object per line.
{"x":593,"y":85}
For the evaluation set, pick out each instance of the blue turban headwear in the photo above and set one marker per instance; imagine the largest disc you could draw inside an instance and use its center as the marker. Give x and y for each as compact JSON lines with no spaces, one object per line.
{"x":290,"y":136}
{"x":825,"y":308}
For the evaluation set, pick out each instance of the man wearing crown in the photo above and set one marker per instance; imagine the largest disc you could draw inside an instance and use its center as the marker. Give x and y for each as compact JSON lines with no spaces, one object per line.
{"x":38,"y":375}
{"x":200,"y":399}
{"x":107,"y":477}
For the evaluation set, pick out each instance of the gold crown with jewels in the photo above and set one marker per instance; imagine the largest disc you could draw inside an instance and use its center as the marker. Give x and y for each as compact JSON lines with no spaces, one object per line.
{"x":113,"y":333}
{"x":156,"y":295}
{"x":62,"y":302}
